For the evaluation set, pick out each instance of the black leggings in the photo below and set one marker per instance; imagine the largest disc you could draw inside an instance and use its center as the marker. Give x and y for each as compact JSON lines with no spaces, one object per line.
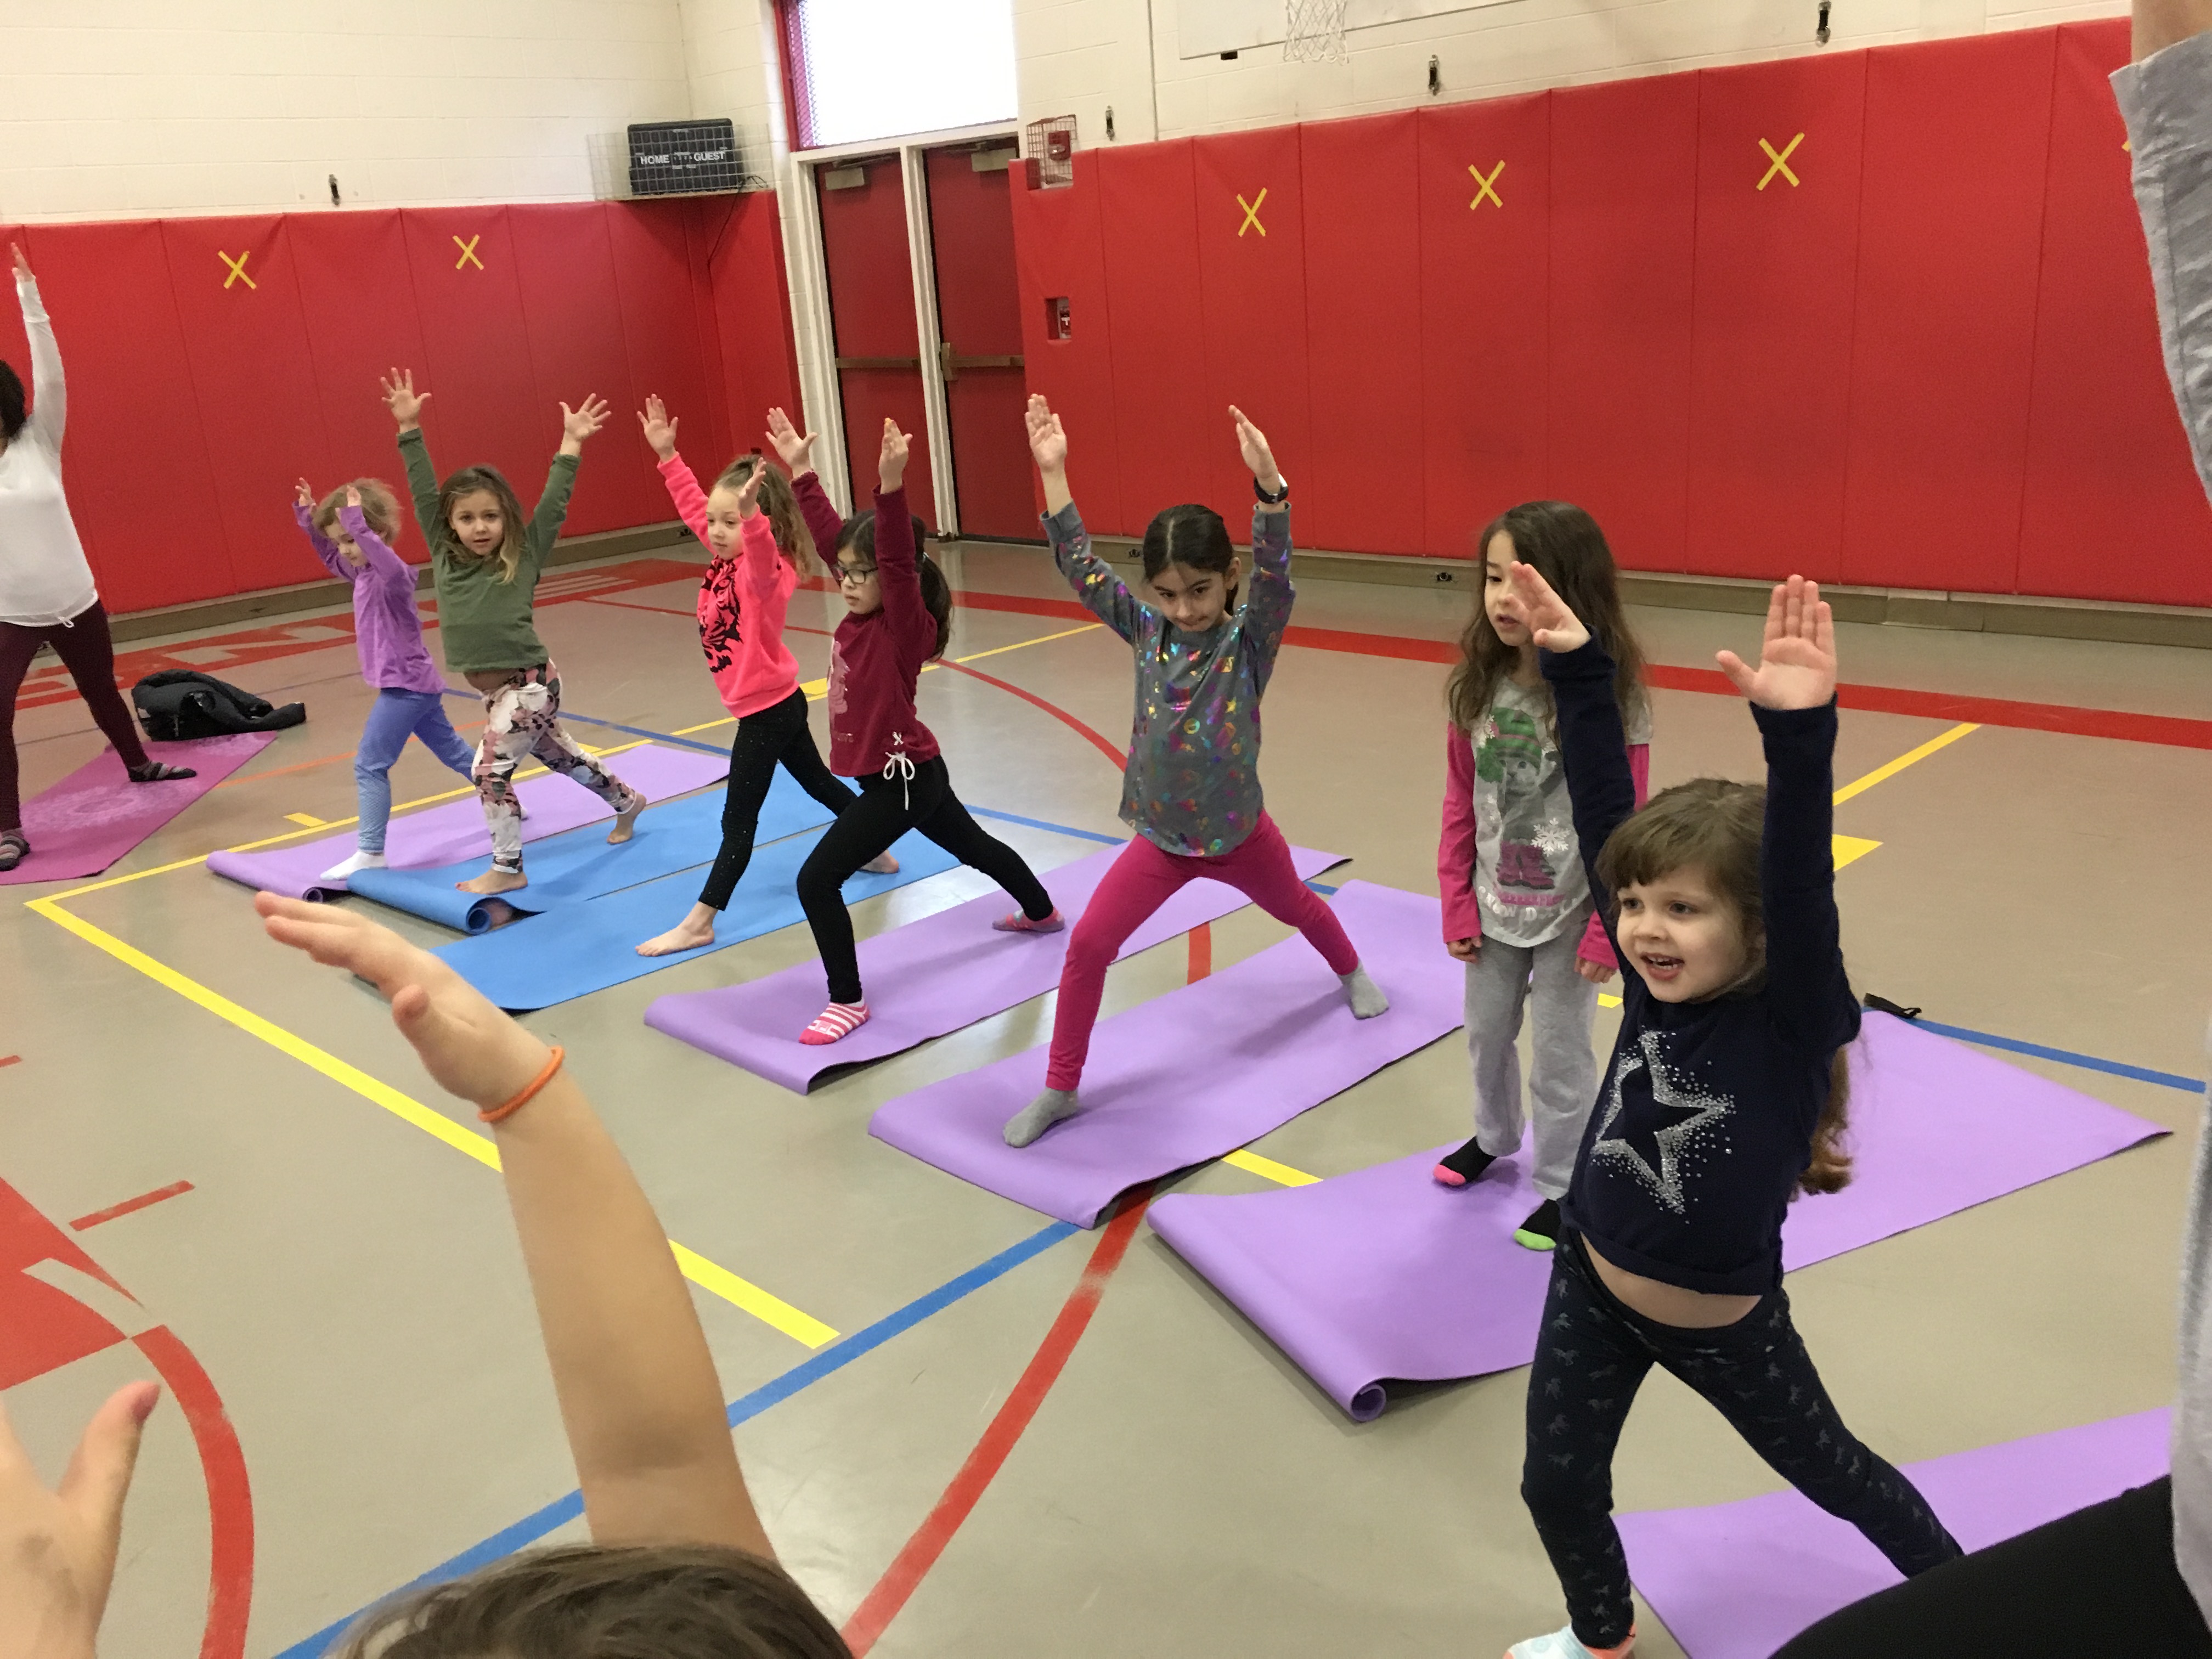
{"x":1593,"y":1353}
{"x":86,"y":650}
{"x":774,"y":736}
{"x":2097,"y":1580}
{"x":886,"y":809}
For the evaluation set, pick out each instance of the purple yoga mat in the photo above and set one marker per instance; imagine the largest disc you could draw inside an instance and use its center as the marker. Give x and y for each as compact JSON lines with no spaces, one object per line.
{"x":95,"y":815}
{"x":1382,"y":1274}
{"x":1198,"y":1072}
{"x":1735,"y":1581}
{"x":455,"y":830}
{"x":929,"y":977}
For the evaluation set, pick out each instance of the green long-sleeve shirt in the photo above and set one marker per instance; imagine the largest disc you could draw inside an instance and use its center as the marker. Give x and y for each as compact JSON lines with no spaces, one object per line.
{"x":486,"y":623}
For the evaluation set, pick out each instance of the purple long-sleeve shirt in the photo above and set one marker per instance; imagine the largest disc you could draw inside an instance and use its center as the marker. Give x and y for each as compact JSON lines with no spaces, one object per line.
{"x":386,"y":627}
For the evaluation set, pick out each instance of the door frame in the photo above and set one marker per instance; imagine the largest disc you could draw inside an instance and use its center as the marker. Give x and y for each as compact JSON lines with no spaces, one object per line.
{"x":814,"y":333}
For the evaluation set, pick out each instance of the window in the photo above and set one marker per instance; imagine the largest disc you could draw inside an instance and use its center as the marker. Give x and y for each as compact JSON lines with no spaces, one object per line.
{"x":862,"y":69}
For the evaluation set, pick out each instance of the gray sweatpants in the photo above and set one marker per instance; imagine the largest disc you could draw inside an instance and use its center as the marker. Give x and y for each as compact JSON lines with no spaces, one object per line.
{"x":1563,"y":1079}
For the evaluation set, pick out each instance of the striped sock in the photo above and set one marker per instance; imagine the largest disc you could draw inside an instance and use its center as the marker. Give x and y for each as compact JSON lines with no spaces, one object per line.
{"x":839,"y":1019}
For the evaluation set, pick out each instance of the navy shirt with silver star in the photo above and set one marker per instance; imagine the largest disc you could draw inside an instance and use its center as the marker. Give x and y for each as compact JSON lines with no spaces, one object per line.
{"x":1705,"y":1120}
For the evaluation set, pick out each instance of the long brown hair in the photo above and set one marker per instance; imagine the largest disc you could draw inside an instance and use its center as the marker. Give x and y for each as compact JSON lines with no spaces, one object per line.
{"x":1716,"y":827}
{"x":666,"y":1601}
{"x":1565,"y":545}
{"x":491,"y":480}
{"x":785,"y":521}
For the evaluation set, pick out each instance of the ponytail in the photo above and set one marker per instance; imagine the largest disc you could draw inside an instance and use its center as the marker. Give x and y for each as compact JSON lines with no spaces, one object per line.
{"x":859,"y":533}
{"x":1829,"y":1171}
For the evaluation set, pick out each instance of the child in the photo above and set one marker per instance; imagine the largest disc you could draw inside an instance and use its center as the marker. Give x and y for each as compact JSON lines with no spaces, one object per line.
{"x":899,"y":616}
{"x":742,"y":601}
{"x":486,"y":564}
{"x":411,"y":694}
{"x":1727,"y":1096}
{"x":1517,"y":911}
{"x":1191,"y":788}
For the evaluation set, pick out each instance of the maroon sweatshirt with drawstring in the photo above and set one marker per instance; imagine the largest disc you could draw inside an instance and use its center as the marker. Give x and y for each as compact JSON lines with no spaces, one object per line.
{"x":875,"y":659}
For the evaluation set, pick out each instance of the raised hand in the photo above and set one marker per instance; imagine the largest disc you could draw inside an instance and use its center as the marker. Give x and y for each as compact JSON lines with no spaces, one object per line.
{"x":403,"y":400}
{"x":748,"y":492}
{"x":1553,"y":626}
{"x":587,"y":417}
{"x":660,"y":430}
{"x":1797,"y":654}
{"x":353,"y":497}
{"x":890,"y":468}
{"x":1048,"y":438}
{"x":58,"y":1548}
{"x":22,"y":261}
{"x":1253,"y":443}
{"x":796,"y":452}
{"x":471,"y":1048}
{"x":305,"y":497}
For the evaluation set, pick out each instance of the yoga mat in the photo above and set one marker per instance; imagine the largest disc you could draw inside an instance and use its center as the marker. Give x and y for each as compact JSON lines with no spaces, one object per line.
{"x":582,"y":948}
{"x":923,"y":980}
{"x":455,"y":830}
{"x":1735,"y":1581}
{"x":95,"y":815}
{"x":1383,"y":1275}
{"x":581,"y":864}
{"x":1198,"y":1072}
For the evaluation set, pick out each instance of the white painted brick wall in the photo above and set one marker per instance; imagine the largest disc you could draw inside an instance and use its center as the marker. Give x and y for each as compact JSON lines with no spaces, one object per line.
{"x":133,"y":108}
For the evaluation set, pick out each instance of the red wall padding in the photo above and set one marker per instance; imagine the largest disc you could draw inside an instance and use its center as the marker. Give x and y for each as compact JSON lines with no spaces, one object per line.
{"x":1930,"y":362}
{"x":1362,"y":187}
{"x":1486,"y":312}
{"x":2113,"y":496}
{"x":1771,"y":339}
{"x":1060,"y":251}
{"x":194,"y":405}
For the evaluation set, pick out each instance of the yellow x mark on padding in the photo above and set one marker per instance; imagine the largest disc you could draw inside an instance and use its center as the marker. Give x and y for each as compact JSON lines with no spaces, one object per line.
{"x":1782,"y":161}
{"x":1252,"y":213}
{"x":237,"y":268}
{"x":468,"y":252}
{"x":1484,"y":186}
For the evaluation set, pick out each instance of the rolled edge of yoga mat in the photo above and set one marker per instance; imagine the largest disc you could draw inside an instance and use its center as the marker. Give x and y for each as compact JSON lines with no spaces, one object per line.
{"x":449,"y":906}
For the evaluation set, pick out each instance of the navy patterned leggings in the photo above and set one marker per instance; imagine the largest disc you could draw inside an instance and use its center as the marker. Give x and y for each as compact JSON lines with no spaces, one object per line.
{"x":1592,"y":1355}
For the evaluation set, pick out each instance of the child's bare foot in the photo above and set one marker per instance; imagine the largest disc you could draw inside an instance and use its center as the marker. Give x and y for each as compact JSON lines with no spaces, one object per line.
{"x":689,"y":934}
{"x":882,"y":865}
{"x":626,"y":820}
{"x":495,"y":880}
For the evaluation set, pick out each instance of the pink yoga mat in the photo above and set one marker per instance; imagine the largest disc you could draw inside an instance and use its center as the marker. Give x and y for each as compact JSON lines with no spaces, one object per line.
{"x":929,"y":977}
{"x":95,"y":815}
{"x":1738,"y":1580}
{"x":455,"y":830}
{"x":1383,"y":1275}
{"x":1198,"y":1072}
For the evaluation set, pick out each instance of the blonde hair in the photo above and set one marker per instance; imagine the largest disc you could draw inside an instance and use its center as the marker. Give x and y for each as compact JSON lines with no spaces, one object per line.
{"x":378,"y":505}
{"x":785,"y":521}
{"x":491,"y":482}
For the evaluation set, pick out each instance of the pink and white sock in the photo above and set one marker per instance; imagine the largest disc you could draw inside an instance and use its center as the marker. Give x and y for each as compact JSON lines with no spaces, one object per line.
{"x":839,"y":1019}
{"x":1018,"y":923}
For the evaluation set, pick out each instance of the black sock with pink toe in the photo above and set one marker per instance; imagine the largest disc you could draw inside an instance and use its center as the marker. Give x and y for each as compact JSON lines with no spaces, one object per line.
{"x":1458,"y":1169}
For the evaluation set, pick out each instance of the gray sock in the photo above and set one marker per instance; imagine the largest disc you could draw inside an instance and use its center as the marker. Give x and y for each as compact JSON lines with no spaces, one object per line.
{"x":1367,"y":998}
{"x":1040,"y":1114}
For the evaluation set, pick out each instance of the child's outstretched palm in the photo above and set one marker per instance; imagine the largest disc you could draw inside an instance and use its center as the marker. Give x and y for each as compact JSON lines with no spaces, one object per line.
{"x":748,"y":492}
{"x":306,"y":497}
{"x":587,"y":417}
{"x":796,"y":452}
{"x":891,"y":467}
{"x":1253,"y":443}
{"x":1797,"y":653}
{"x":1048,"y":438}
{"x":1554,"y":627}
{"x":22,"y":261}
{"x":660,"y":430}
{"x":402,"y":400}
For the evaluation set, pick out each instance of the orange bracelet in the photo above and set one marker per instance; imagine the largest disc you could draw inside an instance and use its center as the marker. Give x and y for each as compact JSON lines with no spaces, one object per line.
{"x":534,"y":1085}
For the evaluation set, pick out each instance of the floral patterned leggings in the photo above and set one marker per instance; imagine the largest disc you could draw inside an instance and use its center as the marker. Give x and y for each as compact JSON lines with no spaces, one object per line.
{"x":523,"y":718}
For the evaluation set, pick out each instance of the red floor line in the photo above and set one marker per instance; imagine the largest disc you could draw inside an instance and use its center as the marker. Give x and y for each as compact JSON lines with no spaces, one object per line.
{"x":1202,"y":952}
{"x":913,"y":1563}
{"x":10,"y":1060}
{"x":230,"y":1494}
{"x":1105,"y":748}
{"x":144,"y":1200}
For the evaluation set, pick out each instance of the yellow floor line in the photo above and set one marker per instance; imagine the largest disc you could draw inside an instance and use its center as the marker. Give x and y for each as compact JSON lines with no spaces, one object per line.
{"x":1252,"y":1163}
{"x":1860,"y":786}
{"x":739,"y":1292}
{"x":306,"y":820}
{"x":1851,"y":848}
{"x":1042,"y":639}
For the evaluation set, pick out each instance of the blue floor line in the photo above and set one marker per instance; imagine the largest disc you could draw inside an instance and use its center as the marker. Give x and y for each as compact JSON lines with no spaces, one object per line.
{"x":1057,"y":829}
{"x":835,"y":1357}
{"x":2067,"y":1057}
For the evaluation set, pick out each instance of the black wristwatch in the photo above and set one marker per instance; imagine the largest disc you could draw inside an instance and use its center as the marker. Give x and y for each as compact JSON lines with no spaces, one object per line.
{"x":1275,"y":500}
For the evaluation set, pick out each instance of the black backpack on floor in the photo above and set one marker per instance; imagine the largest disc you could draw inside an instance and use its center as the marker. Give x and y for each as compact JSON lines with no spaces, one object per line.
{"x":179,"y":703}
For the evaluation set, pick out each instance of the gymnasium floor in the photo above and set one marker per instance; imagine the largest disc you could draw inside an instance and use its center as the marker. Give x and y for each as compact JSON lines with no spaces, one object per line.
{"x":349,"y":1284}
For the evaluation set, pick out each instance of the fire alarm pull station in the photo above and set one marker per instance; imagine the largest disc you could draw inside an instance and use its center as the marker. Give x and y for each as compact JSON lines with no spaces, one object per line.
{"x":1057,"y":325}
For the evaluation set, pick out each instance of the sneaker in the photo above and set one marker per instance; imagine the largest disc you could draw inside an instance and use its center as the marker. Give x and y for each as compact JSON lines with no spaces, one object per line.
{"x":1540,"y":1231}
{"x":838,"y":1020}
{"x":1562,"y":1644}
{"x":1018,"y":923}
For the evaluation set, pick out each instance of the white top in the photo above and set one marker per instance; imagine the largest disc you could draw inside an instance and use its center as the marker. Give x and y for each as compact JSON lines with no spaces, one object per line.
{"x":43,"y":577}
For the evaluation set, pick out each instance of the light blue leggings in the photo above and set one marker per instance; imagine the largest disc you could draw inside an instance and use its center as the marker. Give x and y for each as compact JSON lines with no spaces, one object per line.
{"x":397,"y":715}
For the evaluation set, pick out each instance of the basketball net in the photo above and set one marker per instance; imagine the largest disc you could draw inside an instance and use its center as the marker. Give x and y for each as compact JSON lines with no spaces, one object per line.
{"x":1315,"y":33}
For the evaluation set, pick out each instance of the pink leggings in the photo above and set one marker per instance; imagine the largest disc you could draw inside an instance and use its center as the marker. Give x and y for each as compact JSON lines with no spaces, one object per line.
{"x":1144,"y":878}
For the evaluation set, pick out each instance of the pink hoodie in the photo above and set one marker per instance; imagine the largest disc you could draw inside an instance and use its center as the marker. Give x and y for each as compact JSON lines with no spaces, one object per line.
{"x":752,"y":670}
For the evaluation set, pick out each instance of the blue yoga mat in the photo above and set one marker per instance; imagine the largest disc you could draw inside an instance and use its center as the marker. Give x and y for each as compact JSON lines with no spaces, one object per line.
{"x":578,"y":866}
{"x":577,"y":949}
